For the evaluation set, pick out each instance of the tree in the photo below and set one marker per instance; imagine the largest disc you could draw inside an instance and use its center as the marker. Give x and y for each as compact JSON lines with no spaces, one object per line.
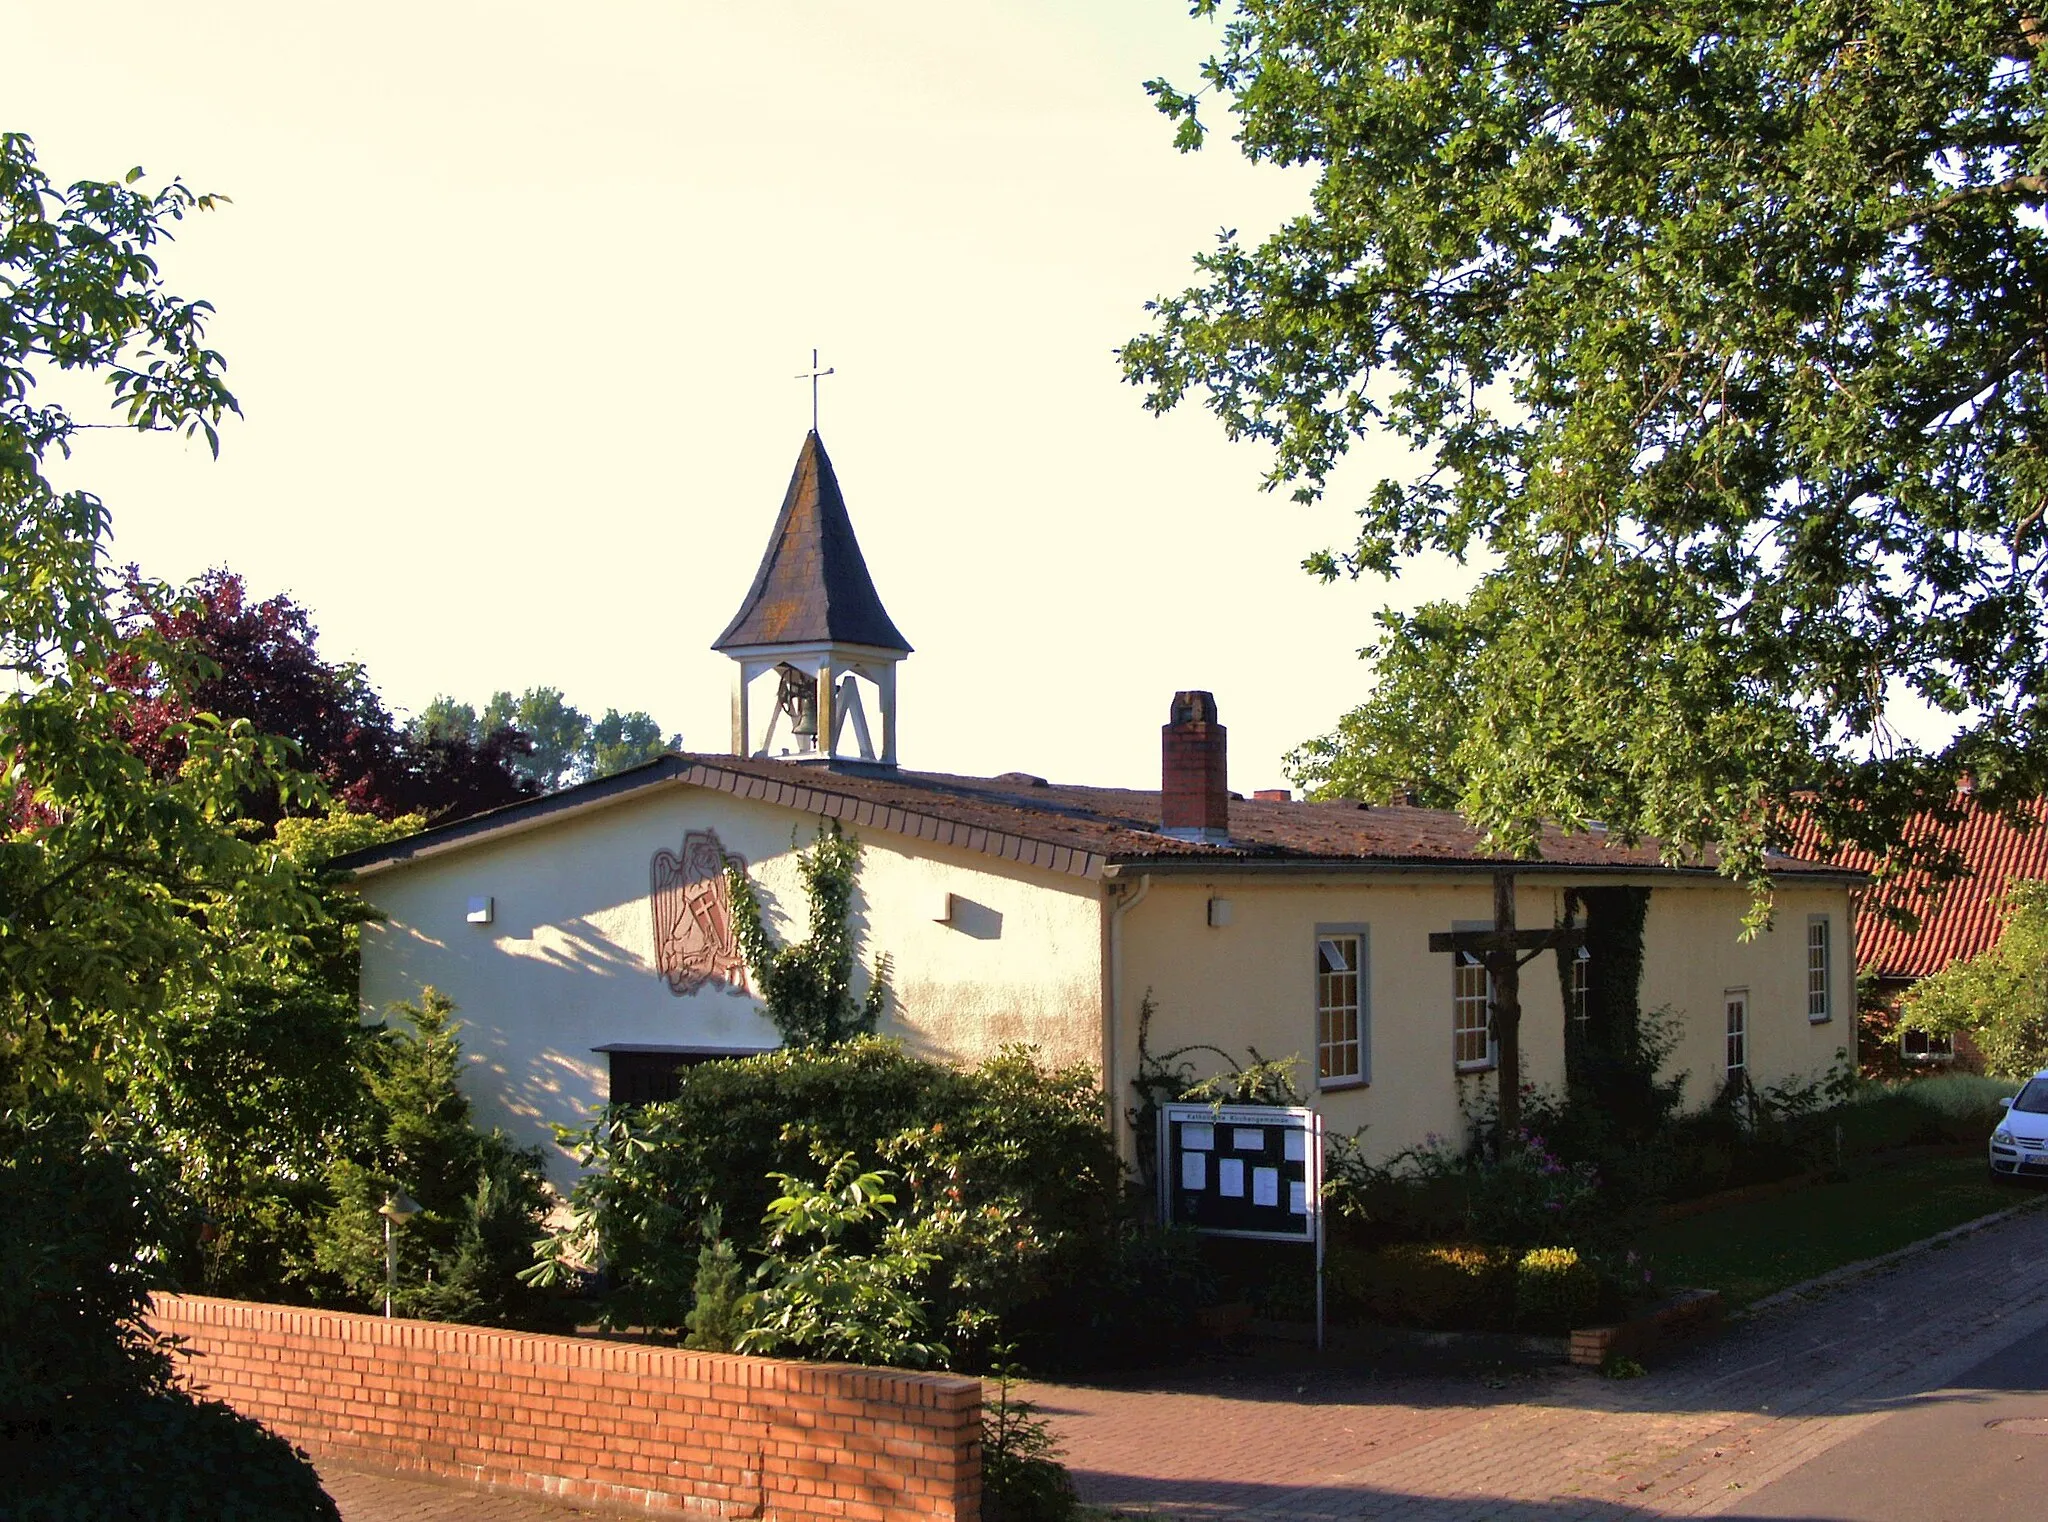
{"x":619,"y":740}
{"x":125,"y":894}
{"x":1719,"y":334}
{"x":260,"y":661}
{"x":1998,"y":998}
{"x":564,"y":746}
{"x":482,"y":1196}
{"x":808,"y":985}
{"x":560,"y":735}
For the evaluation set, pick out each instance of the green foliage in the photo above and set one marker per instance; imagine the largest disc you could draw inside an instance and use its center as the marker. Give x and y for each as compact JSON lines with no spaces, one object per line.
{"x":126,"y":897}
{"x":1998,"y":998}
{"x":125,"y":893}
{"x":83,"y":1205}
{"x":1555,"y":1290}
{"x":167,"y":1456}
{"x":90,"y":1424}
{"x":1712,"y":331}
{"x":808,"y":985}
{"x":482,"y":1198}
{"x":1613,"y":1058}
{"x":1524,"y":1197}
{"x":260,"y":1088}
{"x":1469,"y":1286}
{"x":566,"y":746}
{"x":843,"y":1274}
{"x":619,"y":740}
{"x":1461,"y":1285}
{"x":559,"y":734}
{"x":1022,"y":1478}
{"x":1007,"y":1169}
{"x":1171,"y":1077}
{"x":714,"y":1319}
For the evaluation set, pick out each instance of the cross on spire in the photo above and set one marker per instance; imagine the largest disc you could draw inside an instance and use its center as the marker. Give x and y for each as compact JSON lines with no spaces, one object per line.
{"x":813,"y":375}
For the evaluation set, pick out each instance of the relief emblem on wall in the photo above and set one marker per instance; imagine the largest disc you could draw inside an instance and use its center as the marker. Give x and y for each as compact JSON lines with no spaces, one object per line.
{"x":694,"y":942}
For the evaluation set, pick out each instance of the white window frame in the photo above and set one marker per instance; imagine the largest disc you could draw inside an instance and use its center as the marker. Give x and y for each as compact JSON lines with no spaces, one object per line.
{"x":1935,"y":1047}
{"x":1466,"y":972}
{"x":1820,"y":968}
{"x":1735,"y":1039}
{"x":1582,"y":988}
{"x":1358,"y":1009}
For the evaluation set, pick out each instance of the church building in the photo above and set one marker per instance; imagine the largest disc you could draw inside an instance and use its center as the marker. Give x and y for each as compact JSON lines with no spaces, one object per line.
{"x":586,"y":937}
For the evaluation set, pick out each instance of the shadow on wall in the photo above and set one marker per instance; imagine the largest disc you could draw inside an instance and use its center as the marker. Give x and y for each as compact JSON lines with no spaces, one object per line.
{"x":976,"y":920}
{"x":575,"y":986}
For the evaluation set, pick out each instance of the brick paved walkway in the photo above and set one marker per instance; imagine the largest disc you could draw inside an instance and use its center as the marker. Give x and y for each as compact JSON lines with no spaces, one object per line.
{"x":1693,"y":1439}
{"x":364,"y":1496}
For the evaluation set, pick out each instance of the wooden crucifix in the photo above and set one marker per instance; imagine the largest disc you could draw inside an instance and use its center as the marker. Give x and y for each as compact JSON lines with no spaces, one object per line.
{"x":1500,"y":950}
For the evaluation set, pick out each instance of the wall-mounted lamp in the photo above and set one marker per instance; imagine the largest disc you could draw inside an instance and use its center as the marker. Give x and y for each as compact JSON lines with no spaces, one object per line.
{"x":482,"y":910}
{"x":1219,"y":912}
{"x":942,"y":909}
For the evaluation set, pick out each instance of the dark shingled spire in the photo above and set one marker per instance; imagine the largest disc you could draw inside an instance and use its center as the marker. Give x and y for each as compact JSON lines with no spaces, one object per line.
{"x":813,"y":586}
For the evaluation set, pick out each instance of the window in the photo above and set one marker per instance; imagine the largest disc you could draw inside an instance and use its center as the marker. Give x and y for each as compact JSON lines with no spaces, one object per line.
{"x":1471,"y":1012}
{"x":1582,"y":987}
{"x":1925,"y":1046}
{"x":645,"y":1075}
{"x":1341,"y":1045}
{"x":644,"y":1078}
{"x":1736,"y":1002}
{"x":1817,"y":967}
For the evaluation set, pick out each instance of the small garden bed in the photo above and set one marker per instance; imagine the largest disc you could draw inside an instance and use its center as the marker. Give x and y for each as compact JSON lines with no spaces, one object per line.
{"x":1756,"y":1247}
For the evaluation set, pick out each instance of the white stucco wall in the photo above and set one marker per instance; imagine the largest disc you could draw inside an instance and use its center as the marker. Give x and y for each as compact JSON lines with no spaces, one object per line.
{"x":569,"y":963}
{"x":1252,"y":983}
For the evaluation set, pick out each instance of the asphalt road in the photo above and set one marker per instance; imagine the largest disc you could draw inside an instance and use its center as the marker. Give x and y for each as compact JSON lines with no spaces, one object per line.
{"x":1977,"y":1450}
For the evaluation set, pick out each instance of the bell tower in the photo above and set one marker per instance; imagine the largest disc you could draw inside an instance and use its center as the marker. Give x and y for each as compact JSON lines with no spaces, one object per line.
{"x":814,"y":622}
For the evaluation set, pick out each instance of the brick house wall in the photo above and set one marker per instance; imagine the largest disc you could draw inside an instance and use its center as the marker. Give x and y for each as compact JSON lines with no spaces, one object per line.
{"x":587,"y":1420}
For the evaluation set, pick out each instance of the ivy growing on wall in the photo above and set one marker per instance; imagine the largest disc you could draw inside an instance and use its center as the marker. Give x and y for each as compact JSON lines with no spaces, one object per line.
{"x":1610,"y":1063}
{"x":808,"y":984}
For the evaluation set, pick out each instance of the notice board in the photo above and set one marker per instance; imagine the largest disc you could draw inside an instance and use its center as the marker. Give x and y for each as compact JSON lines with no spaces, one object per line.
{"x":1242,"y":1171}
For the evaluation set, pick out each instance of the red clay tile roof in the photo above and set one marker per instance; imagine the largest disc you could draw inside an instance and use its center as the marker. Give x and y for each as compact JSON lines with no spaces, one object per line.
{"x":1069,"y":829}
{"x":813,"y":586}
{"x":1961,"y":919}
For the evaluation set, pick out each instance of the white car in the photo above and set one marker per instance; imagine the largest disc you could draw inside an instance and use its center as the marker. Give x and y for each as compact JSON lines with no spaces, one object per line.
{"x":2020,"y":1144}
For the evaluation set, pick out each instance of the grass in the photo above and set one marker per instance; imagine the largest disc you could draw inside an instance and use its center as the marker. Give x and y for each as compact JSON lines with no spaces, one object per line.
{"x":1751,"y":1250}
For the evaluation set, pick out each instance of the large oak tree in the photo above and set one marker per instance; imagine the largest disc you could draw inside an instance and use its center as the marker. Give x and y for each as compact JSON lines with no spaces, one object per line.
{"x":1720,"y":332}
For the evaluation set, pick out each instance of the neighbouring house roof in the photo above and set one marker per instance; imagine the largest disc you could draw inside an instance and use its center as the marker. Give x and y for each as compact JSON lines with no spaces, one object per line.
{"x":813,"y":586}
{"x":1958,"y":919}
{"x":1079,"y":831}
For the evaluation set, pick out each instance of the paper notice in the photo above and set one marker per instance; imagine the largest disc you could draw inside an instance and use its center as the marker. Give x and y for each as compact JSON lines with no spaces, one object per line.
{"x":1297,"y":1197}
{"x":1194,"y":1170}
{"x":1295,"y":1146}
{"x":1230,"y":1177}
{"x":1247,"y":1139}
{"x":1266,"y":1186}
{"x":1197,"y":1136}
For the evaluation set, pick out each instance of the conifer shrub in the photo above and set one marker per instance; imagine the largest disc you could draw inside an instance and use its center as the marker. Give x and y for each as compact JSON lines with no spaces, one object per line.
{"x":482,"y":1197}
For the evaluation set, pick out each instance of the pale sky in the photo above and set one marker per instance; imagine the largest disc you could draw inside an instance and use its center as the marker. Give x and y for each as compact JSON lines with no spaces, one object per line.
{"x":513,"y":296}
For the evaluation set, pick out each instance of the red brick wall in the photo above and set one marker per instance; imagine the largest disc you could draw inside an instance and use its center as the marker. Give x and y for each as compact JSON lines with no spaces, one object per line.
{"x":594,"y":1421}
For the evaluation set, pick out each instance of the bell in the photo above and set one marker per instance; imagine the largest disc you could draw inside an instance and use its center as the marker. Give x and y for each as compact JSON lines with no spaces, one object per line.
{"x":797,"y":697}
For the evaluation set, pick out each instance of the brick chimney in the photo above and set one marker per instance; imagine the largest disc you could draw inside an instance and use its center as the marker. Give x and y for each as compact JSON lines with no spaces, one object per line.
{"x":1194,"y":791}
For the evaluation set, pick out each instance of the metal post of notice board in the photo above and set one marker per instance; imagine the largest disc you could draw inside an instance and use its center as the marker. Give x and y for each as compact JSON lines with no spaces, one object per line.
{"x":1251,"y":1171}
